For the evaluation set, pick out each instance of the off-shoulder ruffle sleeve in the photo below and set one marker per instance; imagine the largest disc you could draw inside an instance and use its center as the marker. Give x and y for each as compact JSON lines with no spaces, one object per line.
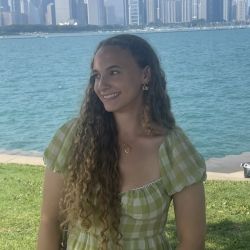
{"x":181,"y":163}
{"x":57,"y":153}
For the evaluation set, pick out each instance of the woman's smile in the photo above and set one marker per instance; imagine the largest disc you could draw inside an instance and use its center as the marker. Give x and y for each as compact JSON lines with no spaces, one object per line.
{"x":110,"y":96}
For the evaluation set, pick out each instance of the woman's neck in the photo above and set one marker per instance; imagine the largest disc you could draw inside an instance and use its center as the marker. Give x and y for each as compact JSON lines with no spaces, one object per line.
{"x":129,"y":125}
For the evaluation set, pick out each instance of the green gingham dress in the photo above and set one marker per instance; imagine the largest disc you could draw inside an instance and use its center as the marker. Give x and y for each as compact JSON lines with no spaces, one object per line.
{"x":144,"y":209}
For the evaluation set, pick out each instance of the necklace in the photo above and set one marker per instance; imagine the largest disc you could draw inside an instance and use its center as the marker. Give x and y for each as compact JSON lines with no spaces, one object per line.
{"x":126,"y":148}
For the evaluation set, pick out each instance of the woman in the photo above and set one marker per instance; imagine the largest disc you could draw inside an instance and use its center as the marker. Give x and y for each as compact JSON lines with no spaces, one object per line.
{"x":113,"y":171}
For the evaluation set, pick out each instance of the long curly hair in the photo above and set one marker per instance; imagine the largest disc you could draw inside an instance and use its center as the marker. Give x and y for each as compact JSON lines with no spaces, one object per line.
{"x":92,"y":189}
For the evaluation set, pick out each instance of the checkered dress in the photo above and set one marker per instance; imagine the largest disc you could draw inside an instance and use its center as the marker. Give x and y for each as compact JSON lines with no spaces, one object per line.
{"x":144,"y":209}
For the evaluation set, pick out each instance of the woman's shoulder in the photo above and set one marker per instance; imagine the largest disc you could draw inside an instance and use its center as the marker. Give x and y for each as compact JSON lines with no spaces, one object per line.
{"x":182,"y":164}
{"x":58,"y":150}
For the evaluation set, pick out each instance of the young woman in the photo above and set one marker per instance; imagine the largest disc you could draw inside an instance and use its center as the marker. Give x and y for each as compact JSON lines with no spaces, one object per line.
{"x":112,"y":172}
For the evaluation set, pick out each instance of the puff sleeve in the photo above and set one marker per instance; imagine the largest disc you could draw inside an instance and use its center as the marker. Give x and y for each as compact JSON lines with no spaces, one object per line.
{"x":57,"y":153}
{"x":181,"y":163}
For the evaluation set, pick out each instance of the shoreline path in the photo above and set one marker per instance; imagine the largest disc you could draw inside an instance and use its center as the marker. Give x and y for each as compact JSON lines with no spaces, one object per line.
{"x":226,"y":168}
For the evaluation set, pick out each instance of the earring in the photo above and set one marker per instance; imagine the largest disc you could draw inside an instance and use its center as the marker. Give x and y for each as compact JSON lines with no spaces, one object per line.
{"x":145,"y":86}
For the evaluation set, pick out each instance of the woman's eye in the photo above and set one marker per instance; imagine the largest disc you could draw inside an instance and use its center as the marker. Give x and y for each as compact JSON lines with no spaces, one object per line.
{"x":95,"y":76}
{"x":114,"y":72}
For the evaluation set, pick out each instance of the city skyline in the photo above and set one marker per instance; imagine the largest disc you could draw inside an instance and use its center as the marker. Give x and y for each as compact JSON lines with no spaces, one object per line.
{"x":121,"y":12}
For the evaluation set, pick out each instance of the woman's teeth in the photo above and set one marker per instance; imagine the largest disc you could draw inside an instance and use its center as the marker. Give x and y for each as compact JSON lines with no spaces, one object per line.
{"x":110,"y":95}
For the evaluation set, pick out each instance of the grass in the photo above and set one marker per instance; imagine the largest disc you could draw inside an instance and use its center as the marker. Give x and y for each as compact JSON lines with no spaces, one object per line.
{"x":228,"y":210}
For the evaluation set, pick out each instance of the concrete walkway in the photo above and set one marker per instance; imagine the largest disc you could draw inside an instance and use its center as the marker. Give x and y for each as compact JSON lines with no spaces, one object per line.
{"x":226,"y":168}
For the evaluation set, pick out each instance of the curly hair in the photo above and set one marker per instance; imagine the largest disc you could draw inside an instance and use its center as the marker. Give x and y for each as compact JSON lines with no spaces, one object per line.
{"x":92,"y":188}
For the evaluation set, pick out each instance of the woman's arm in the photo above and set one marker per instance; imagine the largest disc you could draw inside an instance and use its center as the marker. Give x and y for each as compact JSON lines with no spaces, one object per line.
{"x":49,"y":231}
{"x":189,"y":206}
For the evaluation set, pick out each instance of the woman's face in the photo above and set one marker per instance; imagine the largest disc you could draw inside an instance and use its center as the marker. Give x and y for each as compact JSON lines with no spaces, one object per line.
{"x":118,"y":79}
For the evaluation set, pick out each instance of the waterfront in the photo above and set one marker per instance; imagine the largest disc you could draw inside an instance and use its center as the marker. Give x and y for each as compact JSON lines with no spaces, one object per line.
{"x":42,"y":82}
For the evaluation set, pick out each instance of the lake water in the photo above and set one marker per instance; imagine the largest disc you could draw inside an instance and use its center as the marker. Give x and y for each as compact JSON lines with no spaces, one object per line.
{"x":42,"y":83}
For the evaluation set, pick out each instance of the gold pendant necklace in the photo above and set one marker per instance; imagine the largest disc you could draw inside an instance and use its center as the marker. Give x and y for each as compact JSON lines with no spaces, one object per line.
{"x":126,"y":148}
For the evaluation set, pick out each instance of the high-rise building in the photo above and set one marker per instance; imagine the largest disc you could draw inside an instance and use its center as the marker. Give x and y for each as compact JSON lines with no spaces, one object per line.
{"x":170,"y":11}
{"x":35,"y":12}
{"x":24,"y":6}
{"x":227,"y":10}
{"x":136,"y":11}
{"x":214,"y":10}
{"x":186,"y":11}
{"x":110,"y":15}
{"x":79,"y":12}
{"x":43,"y":9}
{"x":82,"y":13}
{"x":4,"y":8}
{"x":178,"y":10}
{"x":50,"y":16}
{"x":63,"y":9}
{"x":96,"y":12}
{"x":7,"y":18}
{"x":234,"y":11}
{"x":241,"y":10}
{"x":34,"y":16}
{"x":202,"y":9}
{"x":15,"y":9}
{"x":114,"y":11}
{"x":24,"y":11}
{"x":125,"y":13}
{"x":4,"y":5}
{"x":195,"y":9}
{"x":151,"y":11}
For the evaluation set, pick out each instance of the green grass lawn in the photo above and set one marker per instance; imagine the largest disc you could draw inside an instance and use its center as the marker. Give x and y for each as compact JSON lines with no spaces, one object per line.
{"x":228,"y":210}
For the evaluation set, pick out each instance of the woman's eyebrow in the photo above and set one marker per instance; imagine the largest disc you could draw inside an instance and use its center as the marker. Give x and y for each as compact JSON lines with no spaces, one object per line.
{"x":108,"y":68}
{"x":113,"y":66}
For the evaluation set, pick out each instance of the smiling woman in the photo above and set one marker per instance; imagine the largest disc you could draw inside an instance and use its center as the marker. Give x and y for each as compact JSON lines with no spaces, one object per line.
{"x":113,"y":171}
{"x":118,"y":80}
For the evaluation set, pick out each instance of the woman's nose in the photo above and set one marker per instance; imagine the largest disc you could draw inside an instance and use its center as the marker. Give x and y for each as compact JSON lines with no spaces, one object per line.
{"x":102,"y":82}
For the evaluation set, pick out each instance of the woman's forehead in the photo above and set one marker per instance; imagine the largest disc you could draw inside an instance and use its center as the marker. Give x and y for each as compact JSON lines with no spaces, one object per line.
{"x":112,"y":55}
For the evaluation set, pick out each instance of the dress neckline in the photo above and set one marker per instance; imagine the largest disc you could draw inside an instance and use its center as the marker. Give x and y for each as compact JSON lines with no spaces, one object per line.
{"x":144,"y":186}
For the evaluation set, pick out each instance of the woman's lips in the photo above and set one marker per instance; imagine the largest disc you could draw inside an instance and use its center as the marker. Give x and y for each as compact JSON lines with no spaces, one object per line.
{"x":110,"y":96}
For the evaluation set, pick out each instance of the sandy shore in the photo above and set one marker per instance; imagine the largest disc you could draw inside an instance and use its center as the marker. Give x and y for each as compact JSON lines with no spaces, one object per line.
{"x":226,"y":168}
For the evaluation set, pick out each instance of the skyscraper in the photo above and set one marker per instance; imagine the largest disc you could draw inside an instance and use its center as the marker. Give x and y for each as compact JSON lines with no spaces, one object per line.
{"x":110,"y":15}
{"x":43,"y":8}
{"x":136,"y":12}
{"x":214,"y":10}
{"x":50,"y":16}
{"x":202,"y":9}
{"x":178,"y":10}
{"x":63,"y":11}
{"x":5,"y":5}
{"x":24,"y":11}
{"x":15,"y":9}
{"x":168,"y":11}
{"x":79,"y":12}
{"x":96,"y":12}
{"x":125,"y":12}
{"x":34,"y":16}
{"x":151,"y":11}
{"x":241,"y":10}
{"x":195,"y":10}
{"x":227,"y":10}
{"x":186,"y":11}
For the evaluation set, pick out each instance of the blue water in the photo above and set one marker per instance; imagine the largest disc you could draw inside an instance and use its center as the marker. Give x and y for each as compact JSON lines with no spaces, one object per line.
{"x":42,"y":84}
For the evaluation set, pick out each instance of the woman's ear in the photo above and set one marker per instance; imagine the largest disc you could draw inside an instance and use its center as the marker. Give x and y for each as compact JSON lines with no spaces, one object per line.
{"x":146,"y":75}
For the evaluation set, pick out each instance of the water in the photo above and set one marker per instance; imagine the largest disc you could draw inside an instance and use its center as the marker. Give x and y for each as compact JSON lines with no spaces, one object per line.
{"x":42,"y":84}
